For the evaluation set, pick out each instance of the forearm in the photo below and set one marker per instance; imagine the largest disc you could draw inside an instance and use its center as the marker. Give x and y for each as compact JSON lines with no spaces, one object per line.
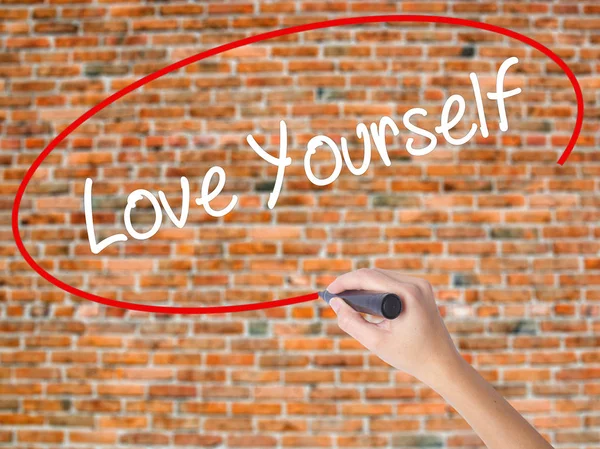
{"x":494,"y":420}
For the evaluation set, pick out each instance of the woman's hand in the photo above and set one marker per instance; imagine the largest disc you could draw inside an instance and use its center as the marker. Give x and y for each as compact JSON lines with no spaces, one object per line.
{"x":416,"y":342}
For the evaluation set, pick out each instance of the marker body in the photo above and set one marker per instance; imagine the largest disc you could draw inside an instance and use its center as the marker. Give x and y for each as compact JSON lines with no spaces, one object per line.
{"x":387,"y":305}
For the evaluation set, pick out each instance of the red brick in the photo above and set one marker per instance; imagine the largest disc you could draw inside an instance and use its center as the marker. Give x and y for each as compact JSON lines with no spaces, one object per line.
{"x":506,"y":236}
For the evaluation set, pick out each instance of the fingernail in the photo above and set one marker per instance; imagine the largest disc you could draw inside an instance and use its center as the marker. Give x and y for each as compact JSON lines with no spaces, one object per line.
{"x":335,"y":304}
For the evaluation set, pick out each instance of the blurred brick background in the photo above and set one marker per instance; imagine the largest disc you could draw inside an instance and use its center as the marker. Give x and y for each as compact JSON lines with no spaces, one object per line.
{"x":507,"y":237}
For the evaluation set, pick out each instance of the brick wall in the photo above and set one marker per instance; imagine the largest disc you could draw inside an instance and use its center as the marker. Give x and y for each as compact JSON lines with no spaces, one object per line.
{"x":507,"y":237}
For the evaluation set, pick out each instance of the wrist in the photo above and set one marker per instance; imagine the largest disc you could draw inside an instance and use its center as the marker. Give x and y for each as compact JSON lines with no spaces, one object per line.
{"x":446,"y":372}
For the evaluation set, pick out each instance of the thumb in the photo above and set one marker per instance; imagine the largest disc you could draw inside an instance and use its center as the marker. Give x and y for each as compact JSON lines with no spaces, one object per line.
{"x":352,"y":322}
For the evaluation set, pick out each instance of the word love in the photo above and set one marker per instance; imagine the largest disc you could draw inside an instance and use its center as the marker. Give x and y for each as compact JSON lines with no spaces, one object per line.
{"x":375,"y":132}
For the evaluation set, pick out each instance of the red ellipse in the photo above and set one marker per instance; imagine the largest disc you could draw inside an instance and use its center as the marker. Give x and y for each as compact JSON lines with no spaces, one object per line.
{"x":220,"y":49}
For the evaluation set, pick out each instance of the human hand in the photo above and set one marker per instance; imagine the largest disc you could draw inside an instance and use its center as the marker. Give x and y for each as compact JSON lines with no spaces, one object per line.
{"x":417,"y":342}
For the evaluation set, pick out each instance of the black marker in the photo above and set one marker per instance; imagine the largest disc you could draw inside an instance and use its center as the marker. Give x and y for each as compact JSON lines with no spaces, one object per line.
{"x":387,"y":305}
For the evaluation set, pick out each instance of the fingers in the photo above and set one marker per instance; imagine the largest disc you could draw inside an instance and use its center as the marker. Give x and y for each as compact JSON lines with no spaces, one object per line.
{"x":399,"y":276}
{"x":372,"y":318}
{"x":352,"y":322}
{"x":366,"y":279}
{"x":362,"y":279}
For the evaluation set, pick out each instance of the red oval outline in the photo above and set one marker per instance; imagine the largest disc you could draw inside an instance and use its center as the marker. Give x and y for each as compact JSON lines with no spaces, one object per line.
{"x":220,"y":49}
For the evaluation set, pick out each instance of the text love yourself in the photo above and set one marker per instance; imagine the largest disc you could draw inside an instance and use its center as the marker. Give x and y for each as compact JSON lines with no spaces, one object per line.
{"x":376,"y":132}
